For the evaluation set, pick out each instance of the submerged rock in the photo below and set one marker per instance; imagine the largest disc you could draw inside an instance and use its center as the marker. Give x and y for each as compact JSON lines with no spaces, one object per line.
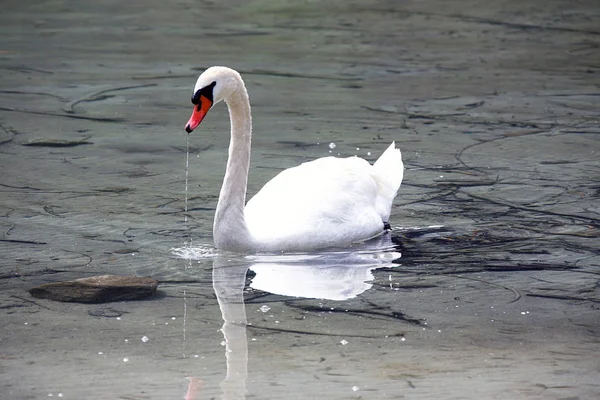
{"x":97,"y":289}
{"x":53,"y":142}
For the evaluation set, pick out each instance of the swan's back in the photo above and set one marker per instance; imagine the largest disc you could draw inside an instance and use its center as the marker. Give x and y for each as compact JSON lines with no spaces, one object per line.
{"x":326,"y":202}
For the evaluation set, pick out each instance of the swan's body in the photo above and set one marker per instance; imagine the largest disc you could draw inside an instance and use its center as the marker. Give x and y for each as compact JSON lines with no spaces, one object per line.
{"x":322,"y":203}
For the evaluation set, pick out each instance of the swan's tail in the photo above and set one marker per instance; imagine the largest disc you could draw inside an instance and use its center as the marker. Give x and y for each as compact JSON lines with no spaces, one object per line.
{"x":390,"y":168}
{"x":389,"y":171}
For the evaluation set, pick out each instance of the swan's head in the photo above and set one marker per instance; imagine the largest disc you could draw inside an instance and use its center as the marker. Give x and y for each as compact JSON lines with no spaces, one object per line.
{"x":214,"y":85}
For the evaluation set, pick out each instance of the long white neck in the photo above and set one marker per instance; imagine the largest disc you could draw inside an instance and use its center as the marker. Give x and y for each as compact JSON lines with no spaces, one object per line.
{"x":229,"y":230}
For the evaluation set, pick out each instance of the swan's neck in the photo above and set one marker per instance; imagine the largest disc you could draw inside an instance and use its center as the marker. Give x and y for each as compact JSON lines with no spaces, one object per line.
{"x":230,"y":231}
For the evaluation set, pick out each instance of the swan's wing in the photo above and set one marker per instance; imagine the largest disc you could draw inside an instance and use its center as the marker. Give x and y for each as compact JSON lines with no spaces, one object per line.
{"x":328,"y":201}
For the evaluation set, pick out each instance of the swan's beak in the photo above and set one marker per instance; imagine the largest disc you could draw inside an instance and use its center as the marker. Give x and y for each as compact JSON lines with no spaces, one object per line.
{"x":198,"y":114}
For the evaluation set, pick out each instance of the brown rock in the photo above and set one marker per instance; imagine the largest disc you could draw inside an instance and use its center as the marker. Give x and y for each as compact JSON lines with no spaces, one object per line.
{"x":97,"y":289}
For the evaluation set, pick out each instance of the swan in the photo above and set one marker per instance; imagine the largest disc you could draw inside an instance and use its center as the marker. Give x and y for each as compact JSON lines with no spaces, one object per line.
{"x":328,"y":202}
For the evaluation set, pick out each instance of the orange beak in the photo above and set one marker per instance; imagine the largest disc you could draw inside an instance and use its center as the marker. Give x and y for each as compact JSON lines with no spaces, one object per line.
{"x":198,"y":114}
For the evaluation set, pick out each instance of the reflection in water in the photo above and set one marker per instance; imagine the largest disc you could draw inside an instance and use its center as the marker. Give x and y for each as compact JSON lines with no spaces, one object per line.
{"x":228,"y":283}
{"x":335,"y":275}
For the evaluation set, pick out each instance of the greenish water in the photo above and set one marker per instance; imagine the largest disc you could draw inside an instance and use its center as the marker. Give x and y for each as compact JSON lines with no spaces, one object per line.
{"x":486,"y":288}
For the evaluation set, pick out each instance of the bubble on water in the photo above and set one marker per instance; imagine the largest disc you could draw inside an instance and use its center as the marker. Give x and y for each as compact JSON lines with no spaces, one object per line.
{"x":403,"y":339}
{"x":173,"y":318}
{"x":118,"y":318}
{"x":145,"y":339}
{"x":332,"y":145}
{"x":223,"y":343}
{"x":100,"y":353}
{"x":60,"y":395}
{"x":368,"y":153}
{"x":344,"y":342}
{"x":126,"y":359}
{"x":355,"y":388}
{"x":265,"y":308}
{"x":358,"y":148}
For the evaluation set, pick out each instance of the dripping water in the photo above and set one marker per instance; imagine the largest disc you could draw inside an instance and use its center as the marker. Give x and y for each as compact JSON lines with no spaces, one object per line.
{"x":188,"y":264}
{"x":187,"y":168}
{"x":185,"y":202}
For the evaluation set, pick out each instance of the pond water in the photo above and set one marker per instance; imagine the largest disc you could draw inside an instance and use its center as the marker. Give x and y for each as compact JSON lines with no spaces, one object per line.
{"x":487,"y":287}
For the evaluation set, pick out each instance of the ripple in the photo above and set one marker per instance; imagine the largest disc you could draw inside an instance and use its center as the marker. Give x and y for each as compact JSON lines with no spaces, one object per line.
{"x":196,"y":252}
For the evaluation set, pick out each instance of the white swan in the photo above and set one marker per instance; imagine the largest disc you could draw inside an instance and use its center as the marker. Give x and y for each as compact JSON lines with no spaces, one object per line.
{"x":322,"y":203}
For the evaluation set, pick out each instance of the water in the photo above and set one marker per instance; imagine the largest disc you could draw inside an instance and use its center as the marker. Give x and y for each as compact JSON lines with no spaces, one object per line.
{"x":187,"y":174}
{"x":486,"y":288}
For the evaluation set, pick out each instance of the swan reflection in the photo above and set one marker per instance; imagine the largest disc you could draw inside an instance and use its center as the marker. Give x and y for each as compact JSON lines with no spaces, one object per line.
{"x":334,"y":275}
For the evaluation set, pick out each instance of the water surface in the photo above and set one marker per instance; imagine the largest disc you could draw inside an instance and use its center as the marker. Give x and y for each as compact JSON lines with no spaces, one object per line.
{"x":487,"y":286}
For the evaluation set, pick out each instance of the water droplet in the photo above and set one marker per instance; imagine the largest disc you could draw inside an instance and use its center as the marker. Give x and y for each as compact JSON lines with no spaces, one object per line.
{"x":332,"y":145}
